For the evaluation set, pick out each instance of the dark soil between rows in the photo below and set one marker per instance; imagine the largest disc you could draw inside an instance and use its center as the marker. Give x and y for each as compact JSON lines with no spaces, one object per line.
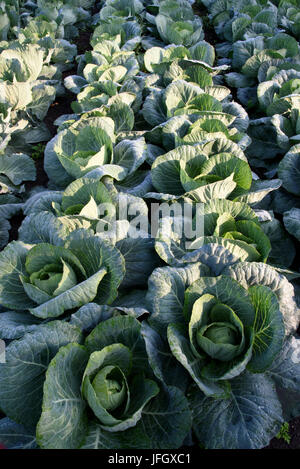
{"x":294,"y":432}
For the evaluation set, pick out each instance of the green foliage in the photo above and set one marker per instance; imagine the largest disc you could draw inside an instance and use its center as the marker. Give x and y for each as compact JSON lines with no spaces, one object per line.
{"x":38,"y":151}
{"x":284,"y":434}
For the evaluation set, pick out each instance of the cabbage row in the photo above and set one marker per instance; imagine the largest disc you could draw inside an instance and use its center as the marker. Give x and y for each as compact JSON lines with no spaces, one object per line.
{"x":119,"y":332}
{"x":260,"y":41}
{"x":36,"y":49}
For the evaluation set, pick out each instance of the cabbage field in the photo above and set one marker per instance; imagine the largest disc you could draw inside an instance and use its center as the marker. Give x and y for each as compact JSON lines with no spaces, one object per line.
{"x":149,"y":223}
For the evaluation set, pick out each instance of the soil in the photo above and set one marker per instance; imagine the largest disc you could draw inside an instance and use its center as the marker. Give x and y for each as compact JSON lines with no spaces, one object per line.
{"x":294,"y":432}
{"x":83,"y":41}
{"x":63,"y":105}
{"x":209,"y":30}
{"x":59,"y":107}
